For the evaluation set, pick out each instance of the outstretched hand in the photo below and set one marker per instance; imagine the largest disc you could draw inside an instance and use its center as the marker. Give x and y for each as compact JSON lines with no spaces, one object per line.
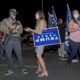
{"x":27,"y":29}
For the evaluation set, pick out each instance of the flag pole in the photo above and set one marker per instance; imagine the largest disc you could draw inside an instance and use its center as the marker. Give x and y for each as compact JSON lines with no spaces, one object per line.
{"x":42,"y":4}
{"x":49,"y":14}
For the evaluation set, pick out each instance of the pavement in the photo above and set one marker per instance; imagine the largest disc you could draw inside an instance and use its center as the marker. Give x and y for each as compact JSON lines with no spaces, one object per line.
{"x":55,"y":67}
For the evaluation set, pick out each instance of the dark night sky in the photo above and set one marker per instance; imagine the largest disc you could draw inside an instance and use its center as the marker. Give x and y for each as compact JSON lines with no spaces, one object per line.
{"x":27,"y":9}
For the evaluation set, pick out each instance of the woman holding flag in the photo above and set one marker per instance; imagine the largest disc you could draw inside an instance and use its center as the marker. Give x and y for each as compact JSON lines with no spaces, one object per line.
{"x":40,"y":25}
{"x":74,"y":37}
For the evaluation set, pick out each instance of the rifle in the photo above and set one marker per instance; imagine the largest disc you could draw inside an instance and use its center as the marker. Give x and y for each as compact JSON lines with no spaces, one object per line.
{"x":6,"y":38}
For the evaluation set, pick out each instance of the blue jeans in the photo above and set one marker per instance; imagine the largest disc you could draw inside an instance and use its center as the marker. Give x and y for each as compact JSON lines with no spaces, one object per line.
{"x":14,"y":43}
{"x":75,"y":46}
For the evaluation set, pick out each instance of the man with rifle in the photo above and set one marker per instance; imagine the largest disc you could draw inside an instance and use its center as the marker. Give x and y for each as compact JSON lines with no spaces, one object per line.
{"x":12,"y":29}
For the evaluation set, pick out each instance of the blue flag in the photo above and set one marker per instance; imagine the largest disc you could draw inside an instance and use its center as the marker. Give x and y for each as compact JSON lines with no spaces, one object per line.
{"x":49,"y":19}
{"x":52,"y":19}
{"x":68,"y":18}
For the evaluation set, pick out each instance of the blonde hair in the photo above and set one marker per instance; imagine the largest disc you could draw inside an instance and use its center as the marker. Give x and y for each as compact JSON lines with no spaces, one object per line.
{"x":41,"y":14}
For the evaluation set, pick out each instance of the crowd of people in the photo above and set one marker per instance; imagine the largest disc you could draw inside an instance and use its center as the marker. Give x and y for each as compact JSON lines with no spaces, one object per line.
{"x":10,"y":34}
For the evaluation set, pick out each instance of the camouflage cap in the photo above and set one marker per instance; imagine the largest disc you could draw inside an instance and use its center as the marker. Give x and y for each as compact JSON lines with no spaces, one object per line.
{"x":13,"y":10}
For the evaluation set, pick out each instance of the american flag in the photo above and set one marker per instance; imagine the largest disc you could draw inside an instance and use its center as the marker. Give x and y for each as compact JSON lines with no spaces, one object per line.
{"x":68,"y":18}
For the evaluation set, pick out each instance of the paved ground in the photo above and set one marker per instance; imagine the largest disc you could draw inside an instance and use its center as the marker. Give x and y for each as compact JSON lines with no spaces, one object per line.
{"x":56,"y":68}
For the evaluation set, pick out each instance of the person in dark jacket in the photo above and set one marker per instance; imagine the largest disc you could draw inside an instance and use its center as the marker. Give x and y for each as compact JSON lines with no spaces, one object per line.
{"x":61,"y":52}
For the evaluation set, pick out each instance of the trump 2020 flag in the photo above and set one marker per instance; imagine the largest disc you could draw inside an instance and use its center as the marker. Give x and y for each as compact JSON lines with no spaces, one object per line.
{"x":52,"y":19}
{"x":49,"y":36}
{"x":68,"y":18}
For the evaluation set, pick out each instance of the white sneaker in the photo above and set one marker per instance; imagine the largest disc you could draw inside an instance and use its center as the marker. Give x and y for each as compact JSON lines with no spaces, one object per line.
{"x":9,"y":72}
{"x":24,"y":71}
{"x":63,"y":58}
{"x":59,"y":54}
{"x":75,"y":60}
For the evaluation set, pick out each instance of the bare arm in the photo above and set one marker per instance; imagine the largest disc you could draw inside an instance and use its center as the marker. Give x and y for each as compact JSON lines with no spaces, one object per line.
{"x":42,"y":25}
{"x":71,"y":23}
{"x":31,"y":30}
